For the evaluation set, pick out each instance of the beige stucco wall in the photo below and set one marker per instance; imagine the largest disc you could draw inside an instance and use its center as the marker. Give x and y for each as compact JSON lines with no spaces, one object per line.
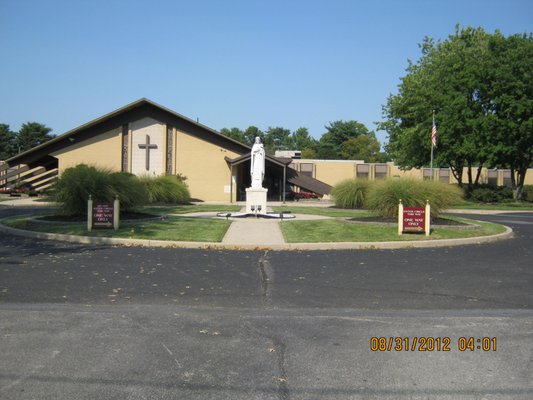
{"x":334,"y":172}
{"x":411,"y":173}
{"x":330,"y":171}
{"x":208,"y":174}
{"x":103,"y":150}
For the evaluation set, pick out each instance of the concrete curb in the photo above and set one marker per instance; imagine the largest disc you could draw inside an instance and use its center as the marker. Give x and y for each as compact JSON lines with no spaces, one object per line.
{"x":484,"y":212}
{"x":286,"y":246}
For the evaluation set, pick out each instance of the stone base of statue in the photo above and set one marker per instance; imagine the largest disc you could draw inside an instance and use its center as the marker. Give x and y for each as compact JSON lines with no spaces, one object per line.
{"x":256,"y":200}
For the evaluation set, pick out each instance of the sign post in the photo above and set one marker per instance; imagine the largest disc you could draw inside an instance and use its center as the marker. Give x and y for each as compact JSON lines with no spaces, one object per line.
{"x":427,"y":227}
{"x":103,"y":215}
{"x":414,"y":219}
{"x":90,"y":213}
{"x":400,"y":218}
{"x":116,"y":216}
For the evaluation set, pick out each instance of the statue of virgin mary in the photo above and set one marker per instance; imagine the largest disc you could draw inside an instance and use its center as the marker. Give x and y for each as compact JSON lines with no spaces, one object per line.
{"x":257,"y":164}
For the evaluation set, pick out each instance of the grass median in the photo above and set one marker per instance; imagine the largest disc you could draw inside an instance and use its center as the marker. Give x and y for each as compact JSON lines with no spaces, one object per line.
{"x":190,"y":208}
{"x":323,"y":211}
{"x":504,"y":206}
{"x":338,"y":230}
{"x":171,"y":228}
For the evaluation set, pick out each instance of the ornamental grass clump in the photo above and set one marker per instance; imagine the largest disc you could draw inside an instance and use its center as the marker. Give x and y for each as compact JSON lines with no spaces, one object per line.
{"x":384,"y":196}
{"x":166,"y":189}
{"x":76,"y":184}
{"x":350,"y":193}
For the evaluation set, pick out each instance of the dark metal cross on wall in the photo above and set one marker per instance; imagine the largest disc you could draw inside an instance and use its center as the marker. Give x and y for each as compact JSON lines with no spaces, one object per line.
{"x":147,"y":146}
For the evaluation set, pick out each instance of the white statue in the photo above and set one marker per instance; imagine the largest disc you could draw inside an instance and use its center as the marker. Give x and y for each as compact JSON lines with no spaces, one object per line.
{"x":257,"y":164}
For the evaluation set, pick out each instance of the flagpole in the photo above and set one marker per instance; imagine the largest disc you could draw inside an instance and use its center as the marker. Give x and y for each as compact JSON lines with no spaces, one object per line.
{"x":431,"y":165}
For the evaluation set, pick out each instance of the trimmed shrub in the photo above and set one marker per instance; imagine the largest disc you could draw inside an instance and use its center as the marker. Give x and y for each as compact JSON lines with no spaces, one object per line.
{"x":527,"y":193}
{"x":383,"y":196}
{"x":350,"y":193}
{"x":489,"y":194}
{"x":166,"y":189}
{"x":74,"y":186}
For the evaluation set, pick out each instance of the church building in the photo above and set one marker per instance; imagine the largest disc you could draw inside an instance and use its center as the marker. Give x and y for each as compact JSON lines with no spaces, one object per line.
{"x":145,"y":138}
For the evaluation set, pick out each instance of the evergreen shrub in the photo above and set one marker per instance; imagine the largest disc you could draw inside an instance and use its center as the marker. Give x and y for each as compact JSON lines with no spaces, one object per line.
{"x":350,"y":193}
{"x":489,"y":194}
{"x":527,"y":193}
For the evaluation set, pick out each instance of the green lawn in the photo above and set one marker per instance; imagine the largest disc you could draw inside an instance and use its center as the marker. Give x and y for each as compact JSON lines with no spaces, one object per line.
{"x":190,"y":208}
{"x":335,"y":230}
{"x":324,"y":211}
{"x":172,"y":228}
{"x":470,"y":205}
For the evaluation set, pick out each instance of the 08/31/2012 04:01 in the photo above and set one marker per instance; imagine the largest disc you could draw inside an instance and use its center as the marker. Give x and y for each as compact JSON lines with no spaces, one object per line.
{"x":422,"y":343}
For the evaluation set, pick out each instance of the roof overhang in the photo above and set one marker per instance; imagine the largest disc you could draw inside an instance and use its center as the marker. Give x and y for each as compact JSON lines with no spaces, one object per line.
{"x":282,"y":162}
{"x":138,"y":109}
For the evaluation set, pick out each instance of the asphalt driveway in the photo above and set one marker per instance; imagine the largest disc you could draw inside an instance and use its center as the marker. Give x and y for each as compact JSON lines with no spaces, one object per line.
{"x":85,"y":321}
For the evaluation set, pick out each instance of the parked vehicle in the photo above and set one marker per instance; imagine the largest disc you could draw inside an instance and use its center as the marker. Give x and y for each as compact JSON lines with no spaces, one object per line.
{"x":6,"y":190}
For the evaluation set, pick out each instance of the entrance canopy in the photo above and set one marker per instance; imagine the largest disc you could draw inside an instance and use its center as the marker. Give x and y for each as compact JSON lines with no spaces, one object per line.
{"x":277,"y":175}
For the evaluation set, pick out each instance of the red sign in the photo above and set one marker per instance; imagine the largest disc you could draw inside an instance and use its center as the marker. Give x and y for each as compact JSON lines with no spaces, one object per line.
{"x":414,"y":219}
{"x":103,"y":216}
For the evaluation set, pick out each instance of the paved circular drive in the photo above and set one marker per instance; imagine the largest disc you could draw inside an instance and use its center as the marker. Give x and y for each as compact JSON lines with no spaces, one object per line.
{"x":90,"y":321}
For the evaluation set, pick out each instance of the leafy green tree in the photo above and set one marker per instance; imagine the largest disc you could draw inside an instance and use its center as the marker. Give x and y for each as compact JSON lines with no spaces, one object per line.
{"x":480,"y":86}
{"x":338,"y":132}
{"x":32,"y":134}
{"x":511,"y":94}
{"x":327,"y":151}
{"x":7,"y":142}
{"x":450,"y":79}
{"x":251,"y":133}
{"x":303,"y":140}
{"x":277,"y":138}
{"x":309,"y":153}
{"x":363,"y":147}
{"x":233,"y":133}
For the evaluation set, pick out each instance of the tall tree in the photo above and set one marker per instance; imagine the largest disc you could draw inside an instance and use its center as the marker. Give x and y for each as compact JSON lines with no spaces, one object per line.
{"x":511,"y":94}
{"x":338,"y":132}
{"x":304,"y":142}
{"x":451,"y":79}
{"x":251,"y":133}
{"x":277,"y":138}
{"x":7,"y":142}
{"x":302,"y":139}
{"x":363,"y":147}
{"x":32,"y":134}
{"x":234,"y":133}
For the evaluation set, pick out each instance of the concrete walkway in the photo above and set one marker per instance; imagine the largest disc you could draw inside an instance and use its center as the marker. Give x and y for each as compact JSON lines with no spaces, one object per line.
{"x":251,"y":231}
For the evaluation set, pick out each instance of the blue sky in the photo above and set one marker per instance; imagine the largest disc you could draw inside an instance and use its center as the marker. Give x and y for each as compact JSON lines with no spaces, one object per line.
{"x":227,"y":62}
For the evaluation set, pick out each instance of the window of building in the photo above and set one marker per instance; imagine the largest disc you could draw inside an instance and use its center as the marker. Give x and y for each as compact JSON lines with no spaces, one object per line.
{"x":492,"y":177}
{"x":427,"y":174}
{"x":381,"y":171}
{"x":444,"y":175}
{"x":307,"y":169}
{"x":507,"y":178}
{"x":362,"y":170}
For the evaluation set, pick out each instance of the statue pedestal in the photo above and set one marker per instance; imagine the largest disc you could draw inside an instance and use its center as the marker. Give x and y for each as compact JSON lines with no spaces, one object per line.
{"x":256,"y":197}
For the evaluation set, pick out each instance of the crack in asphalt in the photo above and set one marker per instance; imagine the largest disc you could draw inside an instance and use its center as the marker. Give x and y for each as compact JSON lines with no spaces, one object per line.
{"x":280,"y":349}
{"x":266,"y":275}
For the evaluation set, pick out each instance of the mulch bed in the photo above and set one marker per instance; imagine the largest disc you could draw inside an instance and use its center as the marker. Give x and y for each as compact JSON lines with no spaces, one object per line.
{"x":380,"y":220}
{"x":79,"y":218}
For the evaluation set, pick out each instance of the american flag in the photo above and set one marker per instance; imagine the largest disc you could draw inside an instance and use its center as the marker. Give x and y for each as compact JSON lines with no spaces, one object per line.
{"x":434,"y":134}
